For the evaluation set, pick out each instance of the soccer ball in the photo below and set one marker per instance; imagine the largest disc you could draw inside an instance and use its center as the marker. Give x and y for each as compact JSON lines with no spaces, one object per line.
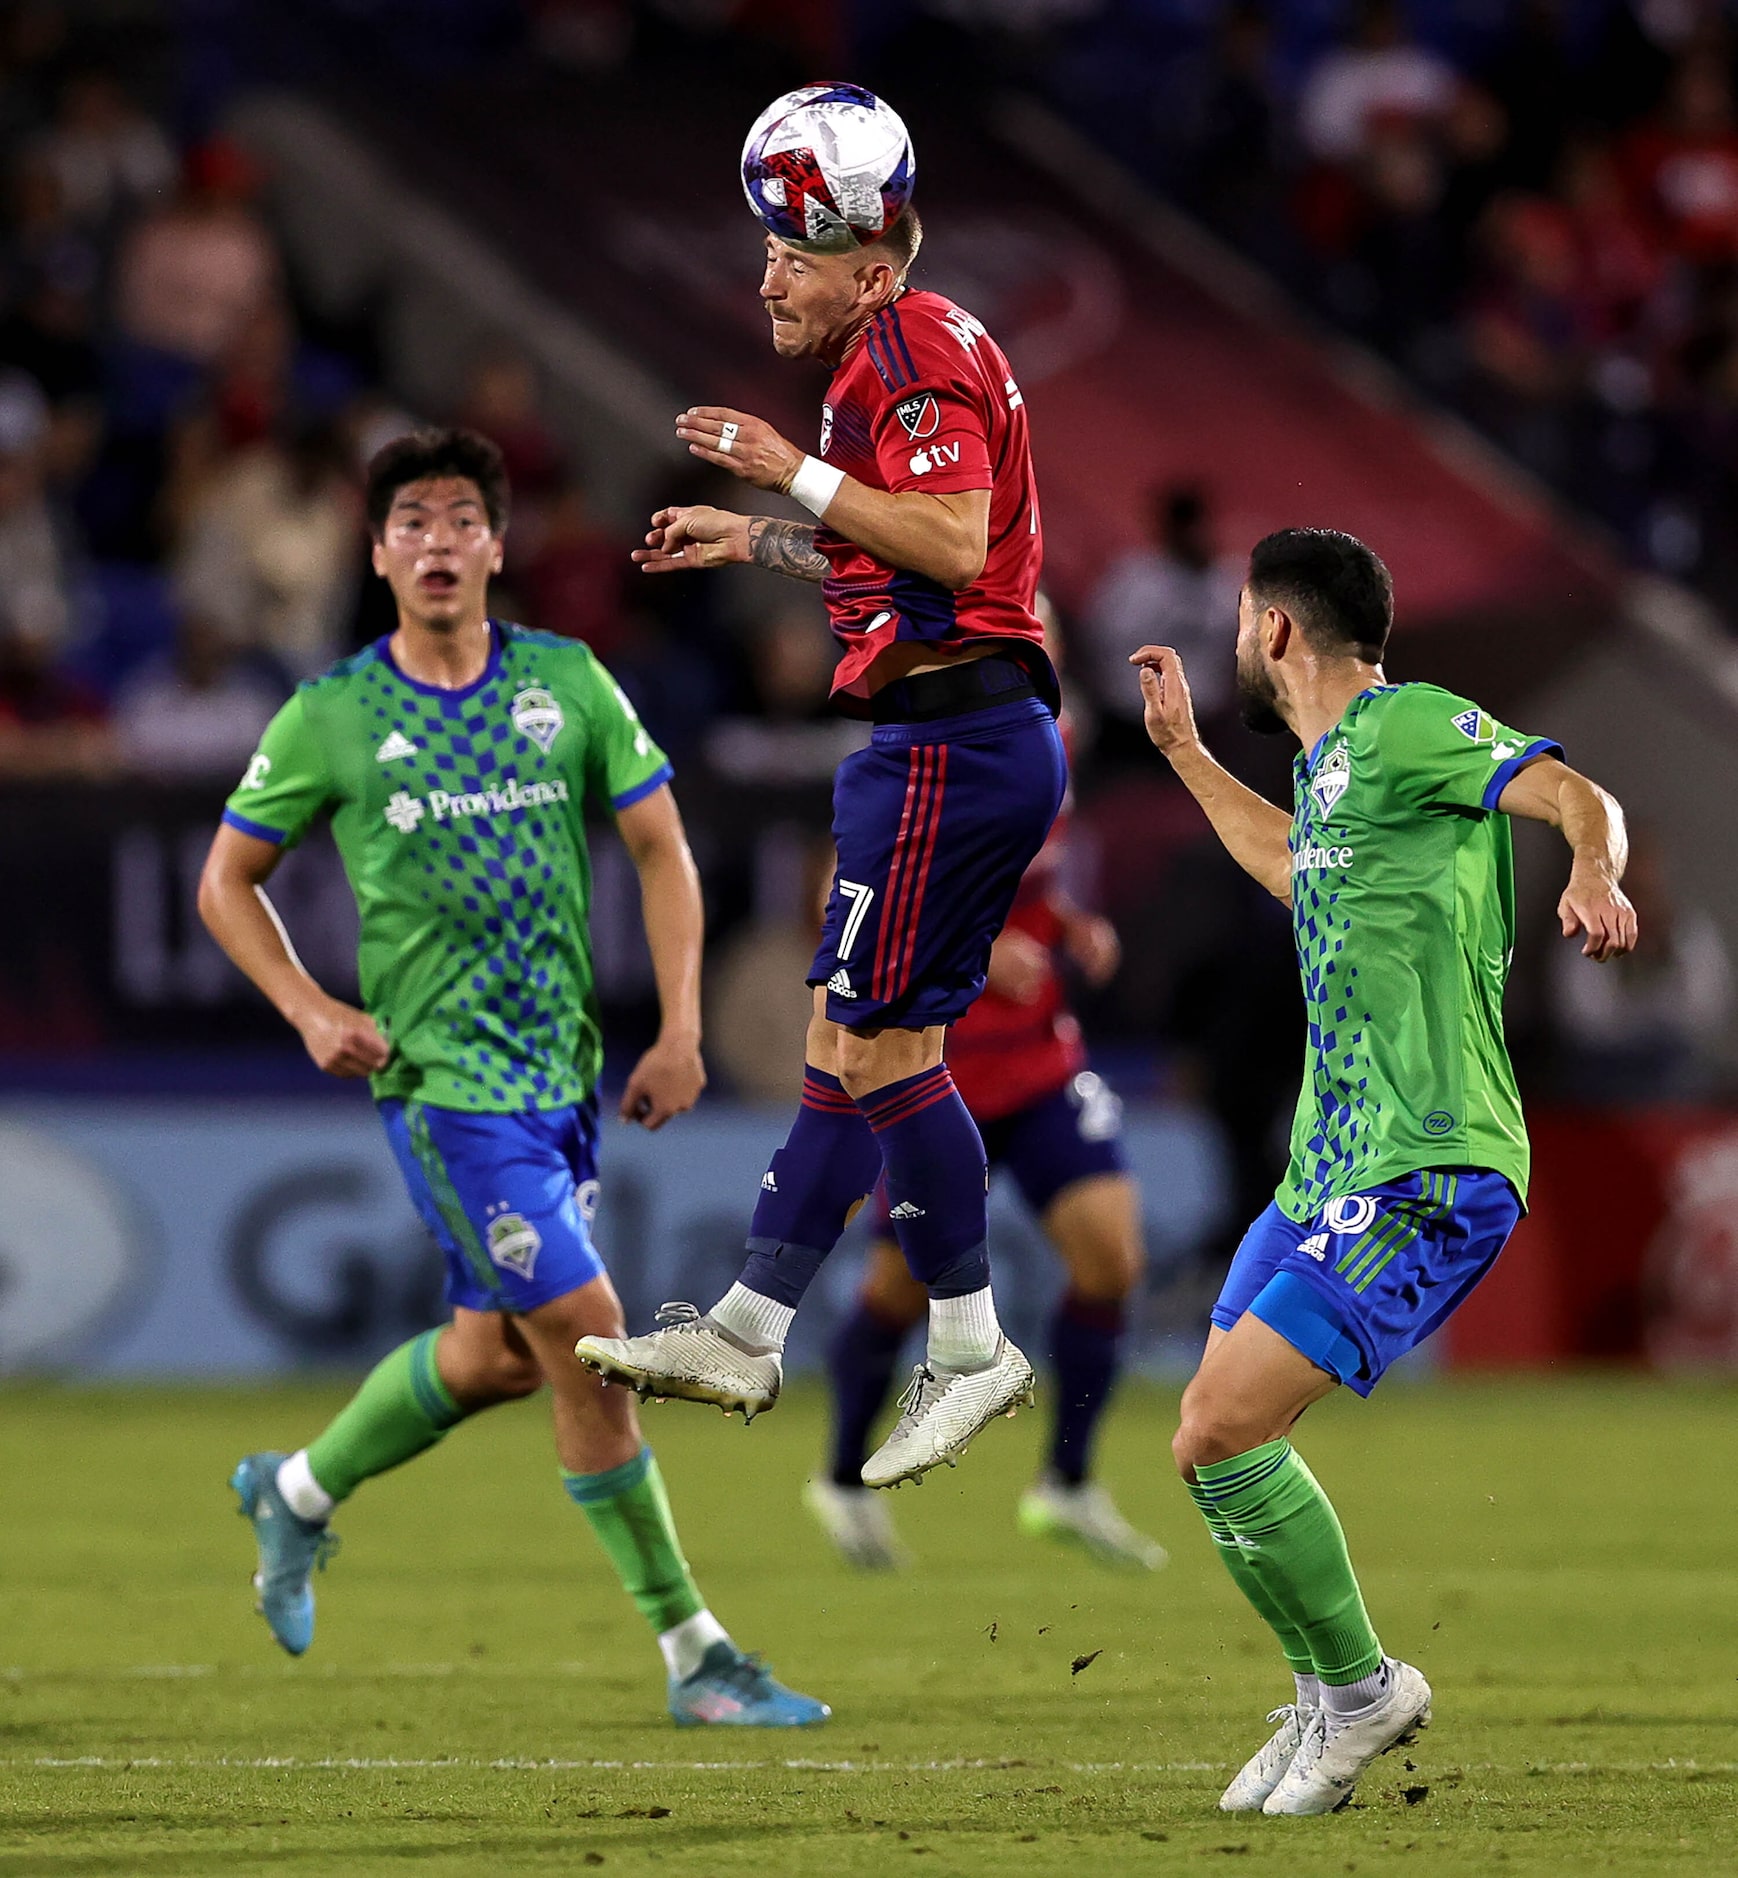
{"x":828,"y":168}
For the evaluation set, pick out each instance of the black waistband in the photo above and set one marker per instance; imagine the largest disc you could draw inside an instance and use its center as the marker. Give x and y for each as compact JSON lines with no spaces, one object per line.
{"x":953,"y":691}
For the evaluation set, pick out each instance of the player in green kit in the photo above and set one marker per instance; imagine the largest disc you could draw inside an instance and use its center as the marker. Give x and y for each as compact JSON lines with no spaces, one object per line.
{"x":456,"y":757}
{"x":1408,"y":1161}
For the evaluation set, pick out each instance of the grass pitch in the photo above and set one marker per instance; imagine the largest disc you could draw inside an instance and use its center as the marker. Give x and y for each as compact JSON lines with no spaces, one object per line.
{"x":480,"y":1698}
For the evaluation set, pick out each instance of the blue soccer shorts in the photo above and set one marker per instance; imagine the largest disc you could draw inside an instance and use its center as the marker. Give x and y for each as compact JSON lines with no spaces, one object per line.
{"x":509,"y":1198}
{"x":934,"y":824}
{"x":1375,"y":1272}
{"x":1070,"y":1135}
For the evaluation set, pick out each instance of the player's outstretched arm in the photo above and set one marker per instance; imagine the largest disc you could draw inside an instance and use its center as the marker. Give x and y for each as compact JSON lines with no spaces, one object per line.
{"x":1256,"y":834}
{"x":1594,"y":903}
{"x":342,"y":1040}
{"x":681,"y":540}
{"x":668,"y":1079}
{"x":945,"y":537}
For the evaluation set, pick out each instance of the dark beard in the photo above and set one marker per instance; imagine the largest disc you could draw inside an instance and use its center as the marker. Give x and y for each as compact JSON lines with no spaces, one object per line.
{"x":1258,"y":702}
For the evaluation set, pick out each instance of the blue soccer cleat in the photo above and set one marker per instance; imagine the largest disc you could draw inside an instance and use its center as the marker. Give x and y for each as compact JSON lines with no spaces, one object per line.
{"x":731,"y":1690}
{"x":290,"y":1550}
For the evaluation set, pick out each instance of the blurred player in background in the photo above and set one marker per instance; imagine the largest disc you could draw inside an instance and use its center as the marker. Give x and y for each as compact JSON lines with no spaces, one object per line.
{"x":457,"y":756}
{"x":1020,"y":1065}
{"x":1409,"y":1154}
{"x":927,"y":549}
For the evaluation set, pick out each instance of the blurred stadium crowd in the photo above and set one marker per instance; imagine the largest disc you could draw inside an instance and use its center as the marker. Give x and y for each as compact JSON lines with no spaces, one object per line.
{"x":1531,"y":209}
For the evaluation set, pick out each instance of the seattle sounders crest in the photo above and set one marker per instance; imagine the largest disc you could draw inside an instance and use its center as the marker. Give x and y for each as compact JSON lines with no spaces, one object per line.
{"x":536,"y":715}
{"x":1330,"y":781}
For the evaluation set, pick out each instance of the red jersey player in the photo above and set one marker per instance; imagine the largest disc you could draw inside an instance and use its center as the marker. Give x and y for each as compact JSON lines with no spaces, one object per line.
{"x":927,"y":547}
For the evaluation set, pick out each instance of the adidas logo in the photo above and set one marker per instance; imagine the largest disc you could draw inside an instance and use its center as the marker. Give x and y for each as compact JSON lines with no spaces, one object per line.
{"x":840,"y":985}
{"x":397,"y":745}
{"x":906,"y":1209}
{"x":767,"y":1183}
{"x":1316,"y":1245}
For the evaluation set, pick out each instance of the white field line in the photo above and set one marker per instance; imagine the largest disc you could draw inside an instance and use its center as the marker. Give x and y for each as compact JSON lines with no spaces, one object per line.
{"x":519,"y":1764}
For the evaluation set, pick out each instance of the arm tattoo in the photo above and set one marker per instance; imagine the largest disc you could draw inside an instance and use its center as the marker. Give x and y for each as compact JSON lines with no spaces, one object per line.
{"x":786,"y":548}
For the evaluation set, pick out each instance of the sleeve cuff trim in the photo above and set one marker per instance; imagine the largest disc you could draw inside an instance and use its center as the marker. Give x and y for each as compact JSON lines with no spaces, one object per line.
{"x":258,"y":830}
{"x":640,"y":791}
{"x":1505,"y":772}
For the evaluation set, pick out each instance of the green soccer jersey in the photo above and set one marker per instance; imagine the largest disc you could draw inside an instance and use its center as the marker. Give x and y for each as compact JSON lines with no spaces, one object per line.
{"x":460,"y":819}
{"x":1403,"y":908}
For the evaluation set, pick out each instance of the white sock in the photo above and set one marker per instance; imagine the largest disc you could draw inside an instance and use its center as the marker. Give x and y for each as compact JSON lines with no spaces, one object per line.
{"x":1346,"y":1701}
{"x":963,"y":1332}
{"x":306,"y":1497}
{"x":1309,"y":1691}
{"x":755,"y":1319}
{"x":686,"y":1644}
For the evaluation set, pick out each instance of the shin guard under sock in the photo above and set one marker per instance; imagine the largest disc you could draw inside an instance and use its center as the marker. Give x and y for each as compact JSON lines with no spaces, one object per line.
{"x":828,"y":1163}
{"x":937,"y":1180}
{"x":1248,"y":1581}
{"x":402,"y":1408}
{"x":1291,"y":1540}
{"x":630,"y":1512}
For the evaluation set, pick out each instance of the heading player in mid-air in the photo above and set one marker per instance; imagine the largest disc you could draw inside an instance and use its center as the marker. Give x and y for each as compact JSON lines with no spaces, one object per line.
{"x":927,"y":549}
{"x":457,"y":756}
{"x":1409,"y":1154}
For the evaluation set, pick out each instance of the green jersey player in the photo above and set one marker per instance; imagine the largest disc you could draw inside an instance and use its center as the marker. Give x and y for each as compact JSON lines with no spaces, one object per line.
{"x":1408,"y":1163}
{"x":456,"y":757}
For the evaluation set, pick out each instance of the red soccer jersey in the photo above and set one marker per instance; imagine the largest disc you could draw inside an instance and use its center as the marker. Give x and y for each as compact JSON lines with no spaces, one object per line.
{"x":1005,"y":1056}
{"x":925,"y":400}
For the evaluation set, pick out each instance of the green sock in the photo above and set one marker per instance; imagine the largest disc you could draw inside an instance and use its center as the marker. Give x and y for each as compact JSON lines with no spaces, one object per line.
{"x":401,"y":1408}
{"x":1248,"y":1581}
{"x":630,"y":1513}
{"x":1292,"y":1544}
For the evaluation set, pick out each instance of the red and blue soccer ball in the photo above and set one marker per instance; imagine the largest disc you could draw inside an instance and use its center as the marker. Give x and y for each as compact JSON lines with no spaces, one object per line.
{"x":828,"y":168}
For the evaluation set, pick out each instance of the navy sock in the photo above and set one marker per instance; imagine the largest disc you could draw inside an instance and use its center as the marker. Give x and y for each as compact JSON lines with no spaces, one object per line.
{"x":828,"y":1163}
{"x":862,"y":1358}
{"x":1085,"y":1349}
{"x":937,"y":1180}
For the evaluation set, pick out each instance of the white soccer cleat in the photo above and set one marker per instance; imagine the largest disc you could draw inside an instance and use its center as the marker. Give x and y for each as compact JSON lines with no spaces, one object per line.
{"x":1263,"y":1771}
{"x":1086,"y":1515}
{"x":1330,"y":1761}
{"x":942,"y":1409}
{"x":860,"y":1525}
{"x":690,"y":1358}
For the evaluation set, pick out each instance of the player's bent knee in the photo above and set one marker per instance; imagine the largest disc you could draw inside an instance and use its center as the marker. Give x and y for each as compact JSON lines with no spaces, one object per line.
{"x":1213,"y":1429}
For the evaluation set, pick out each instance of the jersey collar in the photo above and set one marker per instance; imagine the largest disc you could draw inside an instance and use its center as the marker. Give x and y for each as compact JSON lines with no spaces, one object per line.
{"x":497,"y":645}
{"x":1345,"y":717}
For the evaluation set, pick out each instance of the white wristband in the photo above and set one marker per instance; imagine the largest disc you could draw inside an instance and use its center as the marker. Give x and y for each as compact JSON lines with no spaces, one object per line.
{"x":815,"y":484}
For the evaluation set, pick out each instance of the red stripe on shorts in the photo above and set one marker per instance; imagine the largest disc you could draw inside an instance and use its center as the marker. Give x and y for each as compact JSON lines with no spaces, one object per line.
{"x":915,"y":771}
{"x":920,"y":876}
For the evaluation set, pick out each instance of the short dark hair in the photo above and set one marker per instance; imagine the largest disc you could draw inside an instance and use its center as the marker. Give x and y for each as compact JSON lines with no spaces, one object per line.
{"x":902,"y":241}
{"x":1336,"y":589}
{"x":434,"y":451}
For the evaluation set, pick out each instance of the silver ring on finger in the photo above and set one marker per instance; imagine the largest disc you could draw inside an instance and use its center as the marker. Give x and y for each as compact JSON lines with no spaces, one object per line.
{"x":727,"y":438}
